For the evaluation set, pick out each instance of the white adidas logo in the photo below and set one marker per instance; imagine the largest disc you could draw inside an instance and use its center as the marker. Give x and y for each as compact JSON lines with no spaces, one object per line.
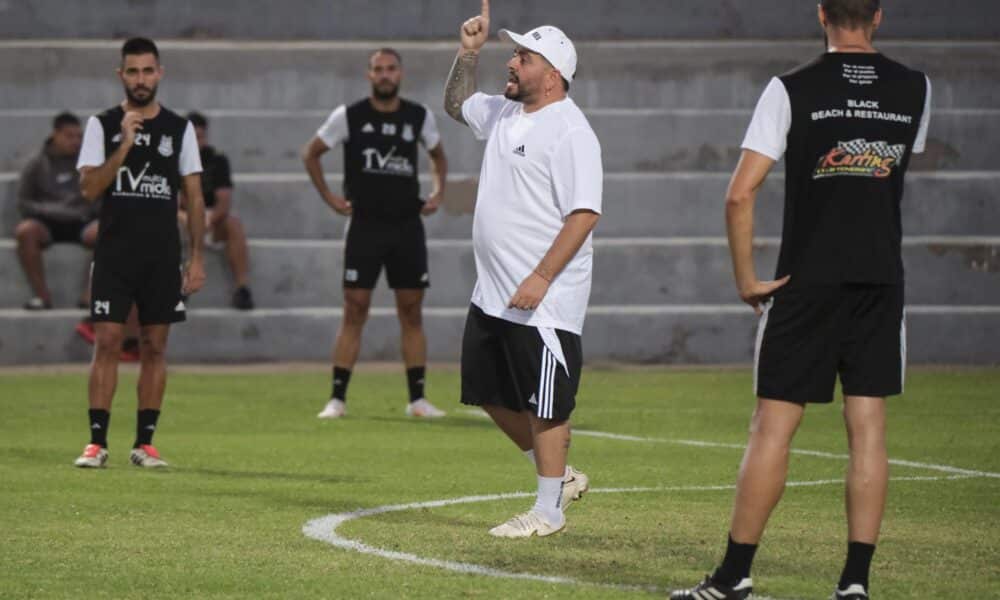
{"x":180,"y":307}
{"x":368,"y":128}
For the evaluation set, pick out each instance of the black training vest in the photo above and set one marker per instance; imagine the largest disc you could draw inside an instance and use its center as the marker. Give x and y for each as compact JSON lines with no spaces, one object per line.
{"x":381,"y":161}
{"x":139,"y":209}
{"x":854,"y":121}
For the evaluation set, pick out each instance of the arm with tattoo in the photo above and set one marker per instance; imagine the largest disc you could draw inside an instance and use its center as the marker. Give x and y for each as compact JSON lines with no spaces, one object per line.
{"x":461,"y":83}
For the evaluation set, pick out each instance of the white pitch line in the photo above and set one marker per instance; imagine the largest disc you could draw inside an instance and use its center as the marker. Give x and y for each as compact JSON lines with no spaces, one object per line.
{"x":963,"y":473}
{"x":324,"y":529}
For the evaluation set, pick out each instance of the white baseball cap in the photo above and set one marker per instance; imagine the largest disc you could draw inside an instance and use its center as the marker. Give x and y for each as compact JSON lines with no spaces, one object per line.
{"x":551,"y":43}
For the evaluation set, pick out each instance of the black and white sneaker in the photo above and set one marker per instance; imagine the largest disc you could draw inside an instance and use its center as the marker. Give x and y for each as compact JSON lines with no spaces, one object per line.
{"x":855,"y":591}
{"x":714,"y":590}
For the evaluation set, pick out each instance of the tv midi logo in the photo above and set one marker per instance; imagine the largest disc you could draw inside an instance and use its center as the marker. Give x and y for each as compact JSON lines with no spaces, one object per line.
{"x":860,"y":158}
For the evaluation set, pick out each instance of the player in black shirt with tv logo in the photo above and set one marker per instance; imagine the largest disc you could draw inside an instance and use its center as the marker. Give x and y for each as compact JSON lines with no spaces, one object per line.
{"x":847,"y":124}
{"x":381,"y":136}
{"x":136,"y":157}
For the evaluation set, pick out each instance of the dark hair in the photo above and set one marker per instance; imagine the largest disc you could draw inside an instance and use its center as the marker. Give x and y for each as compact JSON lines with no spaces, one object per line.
{"x":65,"y":119}
{"x":389,"y":51}
{"x":198,"y":120}
{"x":140,"y":45}
{"x":850,"y":14}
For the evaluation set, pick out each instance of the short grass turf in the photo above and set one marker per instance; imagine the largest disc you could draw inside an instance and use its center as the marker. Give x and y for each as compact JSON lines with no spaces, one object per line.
{"x":251,"y":465}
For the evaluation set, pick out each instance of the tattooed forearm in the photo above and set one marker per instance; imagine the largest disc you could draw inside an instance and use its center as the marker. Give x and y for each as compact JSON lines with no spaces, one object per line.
{"x":461,"y":83}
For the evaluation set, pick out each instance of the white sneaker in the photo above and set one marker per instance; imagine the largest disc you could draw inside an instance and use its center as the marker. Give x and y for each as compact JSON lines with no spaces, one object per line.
{"x":526,"y":525}
{"x":334,"y":409}
{"x":575,"y":484}
{"x":423,"y":408}
{"x":147,"y":457}
{"x":93,"y":457}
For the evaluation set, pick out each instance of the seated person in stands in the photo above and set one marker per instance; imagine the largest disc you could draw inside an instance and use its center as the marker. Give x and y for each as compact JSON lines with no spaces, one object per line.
{"x":222,"y":226}
{"x":52,"y":208}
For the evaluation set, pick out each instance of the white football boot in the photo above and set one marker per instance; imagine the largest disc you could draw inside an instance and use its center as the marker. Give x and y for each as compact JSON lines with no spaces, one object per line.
{"x":93,"y":457}
{"x":575,"y":484}
{"x":526,"y":525}
{"x":423,"y":408}
{"x":334,"y":409}
{"x":147,"y":457}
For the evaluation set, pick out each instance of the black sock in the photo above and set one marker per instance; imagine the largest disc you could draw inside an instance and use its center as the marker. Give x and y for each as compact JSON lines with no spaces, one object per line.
{"x":736,"y":564}
{"x":99,"y":420}
{"x":415,"y":381}
{"x":859,"y":562}
{"x":341,"y":377}
{"x":145,"y":426}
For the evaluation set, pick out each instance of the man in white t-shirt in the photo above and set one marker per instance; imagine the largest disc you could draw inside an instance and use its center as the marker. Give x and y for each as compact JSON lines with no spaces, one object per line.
{"x":539,"y":199}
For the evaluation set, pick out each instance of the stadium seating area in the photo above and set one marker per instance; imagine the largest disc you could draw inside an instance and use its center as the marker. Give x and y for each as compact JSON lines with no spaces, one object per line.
{"x":670,"y":116}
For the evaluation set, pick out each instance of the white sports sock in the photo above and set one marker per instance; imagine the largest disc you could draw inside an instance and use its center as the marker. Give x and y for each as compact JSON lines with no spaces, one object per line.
{"x":549,"y":499}
{"x":530,"y":455}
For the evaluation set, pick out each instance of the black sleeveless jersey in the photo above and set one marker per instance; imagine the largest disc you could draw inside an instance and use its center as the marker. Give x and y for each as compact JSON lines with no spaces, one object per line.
{"x":381,"y":161}
{"x":855,"y":118}
{"x":139,"y":209}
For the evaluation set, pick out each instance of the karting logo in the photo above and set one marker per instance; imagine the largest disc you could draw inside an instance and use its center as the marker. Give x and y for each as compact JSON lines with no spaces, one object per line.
{"x":860,"y":158}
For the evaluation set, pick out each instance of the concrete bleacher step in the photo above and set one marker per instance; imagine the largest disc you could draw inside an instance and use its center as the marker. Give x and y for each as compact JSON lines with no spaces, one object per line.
{"x":703,"y":334}
{"x":295,"y":273}
{"x":321,"y":75}
{"x":631,"y":140}
{"x":285,"y":205}
{"x":358,"y":19}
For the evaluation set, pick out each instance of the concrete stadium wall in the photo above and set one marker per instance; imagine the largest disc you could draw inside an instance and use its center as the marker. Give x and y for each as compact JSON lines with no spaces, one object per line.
{"x":437,"y":19}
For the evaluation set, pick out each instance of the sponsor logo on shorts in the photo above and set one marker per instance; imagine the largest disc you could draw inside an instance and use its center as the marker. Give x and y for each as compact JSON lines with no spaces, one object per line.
{"x":860,"y":158}
{"x":351,"y":275}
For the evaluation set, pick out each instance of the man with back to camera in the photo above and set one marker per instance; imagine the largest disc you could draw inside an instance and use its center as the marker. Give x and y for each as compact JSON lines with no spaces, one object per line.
{"x":52,"y":209}
{"x":847,"y":124}
{"x":136,"y":157}
{"x":380,"y":135}
{"x":539,"y":199}
{"x":221,"y":224}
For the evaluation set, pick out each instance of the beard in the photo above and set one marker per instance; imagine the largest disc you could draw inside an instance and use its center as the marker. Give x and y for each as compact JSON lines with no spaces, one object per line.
{"x":517,"y":93}
{"x":386,"y":91}
{"x":135,"y":100}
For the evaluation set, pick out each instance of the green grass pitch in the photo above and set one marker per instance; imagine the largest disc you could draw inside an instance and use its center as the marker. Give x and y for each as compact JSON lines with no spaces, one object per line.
{"x":252,"y":464}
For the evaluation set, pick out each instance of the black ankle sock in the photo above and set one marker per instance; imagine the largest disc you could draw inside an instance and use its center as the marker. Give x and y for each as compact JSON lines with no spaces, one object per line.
{"x":736,"y":564}
{"x":145,"y":426}
{"x":859,"y":562}
{"x":341,"y":377}
{"x":99,"y":420}
{"x":415,"y":381}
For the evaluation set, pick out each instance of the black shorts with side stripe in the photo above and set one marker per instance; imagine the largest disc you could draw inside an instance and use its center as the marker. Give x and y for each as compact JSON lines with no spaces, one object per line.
{"x":507,"y":364}
{"x":808,"y":335}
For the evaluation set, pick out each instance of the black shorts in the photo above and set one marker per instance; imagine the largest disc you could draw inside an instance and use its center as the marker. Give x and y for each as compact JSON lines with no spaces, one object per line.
{"x":809,"y":335}
{"x":507,"y":364}
{"x":400,"y":246}
{"x":153,"y":284}
{"x":64,"y":232}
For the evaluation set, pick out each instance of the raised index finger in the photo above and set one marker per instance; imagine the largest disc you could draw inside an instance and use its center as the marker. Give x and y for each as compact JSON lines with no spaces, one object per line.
{"x":486,"y":10}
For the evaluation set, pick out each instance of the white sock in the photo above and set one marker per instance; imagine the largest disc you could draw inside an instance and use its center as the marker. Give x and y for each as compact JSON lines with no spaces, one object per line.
{"x":530,"y":455}
{"x":549,"y":499}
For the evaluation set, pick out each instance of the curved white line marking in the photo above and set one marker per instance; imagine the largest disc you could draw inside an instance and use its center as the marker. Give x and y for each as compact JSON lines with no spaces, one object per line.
{"x":324,"y":529}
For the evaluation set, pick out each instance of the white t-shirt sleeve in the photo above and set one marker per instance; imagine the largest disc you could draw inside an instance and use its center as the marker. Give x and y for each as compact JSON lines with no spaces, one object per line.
{"x":430,"y":136}
{"x":920,"y":144}
{"x":334,"y":131}
{"x":577,"y":172}
{"x":481,"y":112}
{"x":772,"y":119}
{"x":92,"y":149}
{"x":190,"y":155}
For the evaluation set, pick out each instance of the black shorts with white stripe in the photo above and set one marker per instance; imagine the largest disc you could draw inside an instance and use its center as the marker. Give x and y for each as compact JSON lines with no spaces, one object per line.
{"x":810,"y":334}
{"x":507,"y":364}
